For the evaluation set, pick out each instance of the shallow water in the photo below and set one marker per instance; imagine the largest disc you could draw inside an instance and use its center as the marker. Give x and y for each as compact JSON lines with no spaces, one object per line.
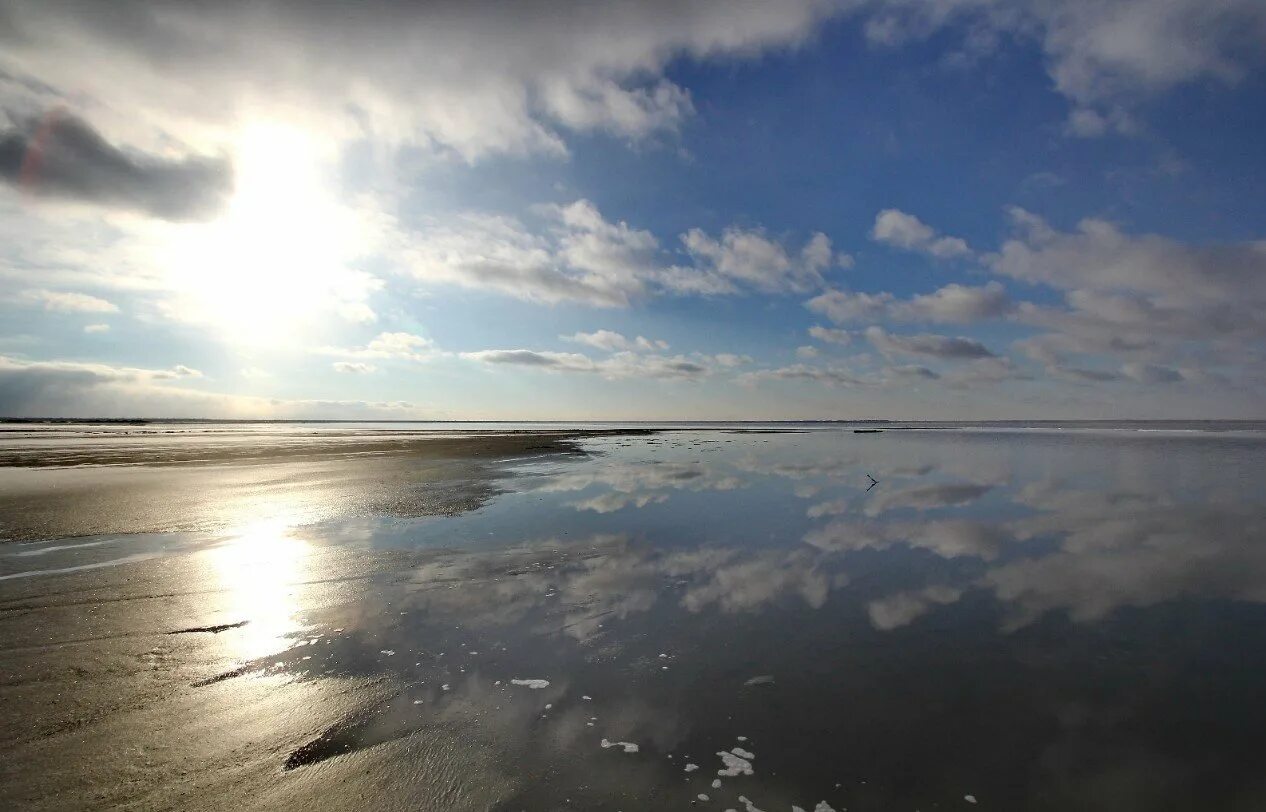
{"x":1037,"y":620}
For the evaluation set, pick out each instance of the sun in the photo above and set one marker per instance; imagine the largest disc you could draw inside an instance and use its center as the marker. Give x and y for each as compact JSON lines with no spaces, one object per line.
{"x":281,"y":258}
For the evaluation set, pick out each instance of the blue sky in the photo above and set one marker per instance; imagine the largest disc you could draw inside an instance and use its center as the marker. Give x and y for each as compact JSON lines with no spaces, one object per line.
{"x":907,"y":209}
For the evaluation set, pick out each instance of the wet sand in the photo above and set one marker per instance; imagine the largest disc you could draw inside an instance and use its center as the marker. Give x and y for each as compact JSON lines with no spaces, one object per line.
{"x":147,"y":481}
{"x":628,"y":622}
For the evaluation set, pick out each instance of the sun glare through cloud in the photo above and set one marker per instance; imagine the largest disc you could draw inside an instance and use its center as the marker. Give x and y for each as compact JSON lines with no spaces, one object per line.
{"x":282,"y":256}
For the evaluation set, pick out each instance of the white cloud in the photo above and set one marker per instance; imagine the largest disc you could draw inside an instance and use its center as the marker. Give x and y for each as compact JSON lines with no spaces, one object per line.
{"x":933,"y":346}
{"x":582,"y":257}
{"x":831,"y":335}
{"x":1170,"y":311}
{"x":620,"y":365}
{"x":746,"y":257}
{"x":77,"y":389}
{"x":829,"y":375}
{"x":63,"y":301}
{"x":96,"y":328}
{"x":906,"y":231}
{"x":470,"y":78}
{"x":612,"y":341}
{"x":354,"y":367}
{"x":953,"y":303}
{"x":1151,"y":373}
{"x":388,"y":346}
{"x":1101,"y":56}
{"x":806,"y":352}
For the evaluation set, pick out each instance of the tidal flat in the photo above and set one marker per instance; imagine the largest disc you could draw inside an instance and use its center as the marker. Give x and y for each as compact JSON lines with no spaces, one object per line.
{"x":301,"y":616}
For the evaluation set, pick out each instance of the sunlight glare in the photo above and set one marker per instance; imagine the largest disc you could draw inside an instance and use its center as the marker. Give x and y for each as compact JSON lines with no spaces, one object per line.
{"x":259,"y":568}
{"x":279,"y":259}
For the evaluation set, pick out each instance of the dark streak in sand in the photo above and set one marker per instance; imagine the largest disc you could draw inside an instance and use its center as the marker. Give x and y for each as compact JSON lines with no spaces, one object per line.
{"x":212,"y":629}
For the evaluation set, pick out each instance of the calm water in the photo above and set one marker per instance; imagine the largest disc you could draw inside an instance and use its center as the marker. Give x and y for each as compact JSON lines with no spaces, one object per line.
{"x":1035,"y":619}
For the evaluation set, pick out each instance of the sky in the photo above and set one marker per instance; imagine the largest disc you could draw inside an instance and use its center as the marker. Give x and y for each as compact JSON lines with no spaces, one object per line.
{"x":547,"y":209}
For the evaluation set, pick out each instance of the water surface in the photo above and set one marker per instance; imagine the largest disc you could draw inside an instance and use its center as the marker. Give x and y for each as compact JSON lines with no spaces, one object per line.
{"x":916,"y":619}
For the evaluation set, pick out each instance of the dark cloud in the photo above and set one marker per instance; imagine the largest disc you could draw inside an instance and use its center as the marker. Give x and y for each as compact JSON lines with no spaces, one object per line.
{"x":934,"y":346}
{"x":61,"y":155}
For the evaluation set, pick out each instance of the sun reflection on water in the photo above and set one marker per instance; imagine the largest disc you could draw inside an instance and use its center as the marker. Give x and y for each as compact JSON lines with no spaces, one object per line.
{"x":261,"y":568}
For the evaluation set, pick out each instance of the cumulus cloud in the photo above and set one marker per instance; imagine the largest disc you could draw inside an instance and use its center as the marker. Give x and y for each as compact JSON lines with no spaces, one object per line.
{"x":953,"y":303}
{"x":583,"y":257}
{"x":1151,"y":373}
{"x":831,"y":335}
{"x":1104,"y":57}
{"x":96,"y":328}
{"x":1144,"y":308}
{"x":1131,"y":287}
{"x":52,"y":387}
{"x":63,"y":301}
{"x":612,"y":341}
{"x":908,"y":372}
{"x":983,"y":371}
{"x":746,"y":257}
{"x":354,"y":367}
{"x":79,"y":389}
{"x":933,"y":346}
{"x":617,"y":366}
{"x":830,"y":375}
{"x":902,"y":230}
{"x":471,"y":78}
{"x":397,"y":346}
{"x":61,"y":155}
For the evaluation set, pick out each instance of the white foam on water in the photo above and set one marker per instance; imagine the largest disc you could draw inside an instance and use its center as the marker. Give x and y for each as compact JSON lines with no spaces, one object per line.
{"x":741,"y":753}
{"x":691,"y":767}
{"x":716,"y":783}
{"x":702,"y":797}
{"x":629,"y":747}
{"x":534,"y":684}
{"x":734,"y":765}
{"x":748,"y":805}
{"x":971,"y":799}
{"x":388,"y":652}
{"x":823,"y":806}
